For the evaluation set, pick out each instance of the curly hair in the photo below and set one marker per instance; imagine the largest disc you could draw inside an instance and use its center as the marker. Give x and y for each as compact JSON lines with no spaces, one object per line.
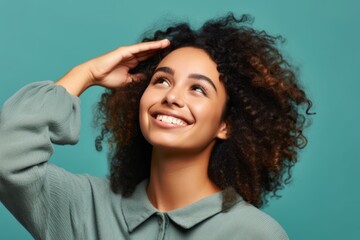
{"x":266,"y":111}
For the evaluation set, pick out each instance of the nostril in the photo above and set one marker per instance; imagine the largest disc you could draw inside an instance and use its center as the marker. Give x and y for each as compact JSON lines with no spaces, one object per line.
{"x":172,"y":99}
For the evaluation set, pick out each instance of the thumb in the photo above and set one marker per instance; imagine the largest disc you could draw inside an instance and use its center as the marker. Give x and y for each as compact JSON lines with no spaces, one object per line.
{"x":137,"y":77}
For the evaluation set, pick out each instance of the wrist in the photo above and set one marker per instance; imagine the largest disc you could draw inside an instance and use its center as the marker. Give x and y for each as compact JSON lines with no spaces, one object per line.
{"x":77,"y":80}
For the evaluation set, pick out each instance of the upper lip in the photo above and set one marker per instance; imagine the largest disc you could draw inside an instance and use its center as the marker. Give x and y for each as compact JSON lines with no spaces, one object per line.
{"x":169,"y":113}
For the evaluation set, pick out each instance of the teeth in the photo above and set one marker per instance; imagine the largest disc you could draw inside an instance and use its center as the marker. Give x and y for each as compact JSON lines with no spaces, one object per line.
{"x":170,"y":120}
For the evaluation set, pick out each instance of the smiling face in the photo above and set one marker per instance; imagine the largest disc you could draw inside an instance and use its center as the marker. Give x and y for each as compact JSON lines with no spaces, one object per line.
{"x":181,"y":108}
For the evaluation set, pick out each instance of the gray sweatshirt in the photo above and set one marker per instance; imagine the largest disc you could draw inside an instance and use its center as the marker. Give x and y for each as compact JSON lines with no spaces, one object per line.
{"x":52,"y":203}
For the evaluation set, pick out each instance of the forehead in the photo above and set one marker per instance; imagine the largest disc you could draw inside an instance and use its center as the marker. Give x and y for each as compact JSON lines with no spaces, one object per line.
{"x":192,"y":60}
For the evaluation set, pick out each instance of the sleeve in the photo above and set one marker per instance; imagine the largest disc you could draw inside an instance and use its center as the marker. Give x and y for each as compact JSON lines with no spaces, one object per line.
{"x":35,"y":192}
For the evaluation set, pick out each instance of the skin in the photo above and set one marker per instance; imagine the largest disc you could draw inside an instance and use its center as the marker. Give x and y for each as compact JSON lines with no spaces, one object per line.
{"x":110,"y":70}
{"x":186,"y":85}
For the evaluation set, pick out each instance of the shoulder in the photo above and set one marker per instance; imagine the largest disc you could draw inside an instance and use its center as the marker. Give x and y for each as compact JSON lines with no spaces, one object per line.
{"x":81,"y":193}
{"x":81,"y":188}
{"x":248,"y":222}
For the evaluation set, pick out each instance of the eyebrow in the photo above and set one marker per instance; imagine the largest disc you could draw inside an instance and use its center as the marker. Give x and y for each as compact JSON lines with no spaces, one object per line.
{"x":193,"y":75}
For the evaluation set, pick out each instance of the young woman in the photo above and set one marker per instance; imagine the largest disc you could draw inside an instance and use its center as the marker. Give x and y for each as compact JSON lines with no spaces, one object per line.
{"x":202,"y":126}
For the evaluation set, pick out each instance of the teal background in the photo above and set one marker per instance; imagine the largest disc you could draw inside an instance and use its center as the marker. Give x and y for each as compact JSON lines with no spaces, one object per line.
{"x":42,"y":39}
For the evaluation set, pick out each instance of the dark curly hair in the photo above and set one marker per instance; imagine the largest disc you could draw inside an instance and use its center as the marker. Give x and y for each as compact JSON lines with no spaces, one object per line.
{"x":266,"y":111}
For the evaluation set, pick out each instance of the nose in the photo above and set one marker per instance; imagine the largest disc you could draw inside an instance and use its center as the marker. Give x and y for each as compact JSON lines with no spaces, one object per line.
{"x":173,"y":97}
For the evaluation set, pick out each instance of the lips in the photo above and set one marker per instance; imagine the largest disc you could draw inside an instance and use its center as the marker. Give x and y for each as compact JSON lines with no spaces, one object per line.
{"x":170,"y":120}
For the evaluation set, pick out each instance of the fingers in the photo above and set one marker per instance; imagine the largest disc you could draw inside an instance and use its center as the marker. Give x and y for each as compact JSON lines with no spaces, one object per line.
{"x":139,"y":51}
{"x":144,"y":55}
{"x":137,"y":76}
{"x":146,"y":50}
{"x":144,"y":47}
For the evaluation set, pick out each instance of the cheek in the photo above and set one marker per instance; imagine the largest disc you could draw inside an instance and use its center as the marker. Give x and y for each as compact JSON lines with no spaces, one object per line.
{"x":143,"y":105}
{"x":143,"y":119}
{"x":147,"y":100}
{"x":210,"y":112}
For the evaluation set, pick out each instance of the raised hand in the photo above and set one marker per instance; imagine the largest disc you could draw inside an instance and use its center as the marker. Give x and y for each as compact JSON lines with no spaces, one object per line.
{"x":110,"y":70}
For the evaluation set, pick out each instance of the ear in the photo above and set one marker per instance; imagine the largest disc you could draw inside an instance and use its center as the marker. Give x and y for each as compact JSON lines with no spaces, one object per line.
{"x":223,"y":132}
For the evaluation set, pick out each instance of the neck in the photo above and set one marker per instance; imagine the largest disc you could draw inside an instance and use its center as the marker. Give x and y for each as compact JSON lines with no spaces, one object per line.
{"x":179,"y":180}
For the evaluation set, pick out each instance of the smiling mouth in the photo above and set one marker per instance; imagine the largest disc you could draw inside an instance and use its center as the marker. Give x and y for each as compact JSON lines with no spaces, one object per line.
{"x":170,"y":120}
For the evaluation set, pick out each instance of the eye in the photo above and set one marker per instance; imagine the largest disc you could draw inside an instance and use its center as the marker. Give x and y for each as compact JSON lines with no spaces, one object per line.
{"x":161,"y":81}
{"x":199,"y":89}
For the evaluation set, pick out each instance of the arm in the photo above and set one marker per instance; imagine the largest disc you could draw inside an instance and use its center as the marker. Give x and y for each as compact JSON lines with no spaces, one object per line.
{"x":110,"y":70}
{"x":45,"y":113}
{"x":35,"y":117}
